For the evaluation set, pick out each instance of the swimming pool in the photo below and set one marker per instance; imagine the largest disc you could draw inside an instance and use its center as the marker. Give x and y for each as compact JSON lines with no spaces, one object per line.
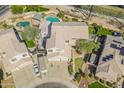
{"x":52,"y":19}
{"x":23,"y":24}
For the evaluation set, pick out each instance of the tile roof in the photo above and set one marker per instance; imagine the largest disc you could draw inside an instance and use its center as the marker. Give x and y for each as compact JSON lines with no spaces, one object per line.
{"x":61,"y":32}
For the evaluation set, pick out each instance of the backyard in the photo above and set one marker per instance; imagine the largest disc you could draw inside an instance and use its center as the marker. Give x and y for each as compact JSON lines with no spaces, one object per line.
{"x":29,"y":35}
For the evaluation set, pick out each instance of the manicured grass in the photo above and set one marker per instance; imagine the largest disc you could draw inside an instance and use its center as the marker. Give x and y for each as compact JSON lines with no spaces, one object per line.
{"x":70,"y":69}
{"x":78,"y":64}
{"x":96,"y":85}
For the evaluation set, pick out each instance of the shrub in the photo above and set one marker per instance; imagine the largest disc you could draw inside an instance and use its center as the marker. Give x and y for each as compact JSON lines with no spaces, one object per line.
{"x":16,"y":9}
{"x":60,"y":14}
{"x":70,"y":69}
{"x":78,"y":77}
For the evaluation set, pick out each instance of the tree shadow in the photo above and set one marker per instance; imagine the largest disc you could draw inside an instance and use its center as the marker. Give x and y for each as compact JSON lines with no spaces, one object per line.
{"x":1,"y":77}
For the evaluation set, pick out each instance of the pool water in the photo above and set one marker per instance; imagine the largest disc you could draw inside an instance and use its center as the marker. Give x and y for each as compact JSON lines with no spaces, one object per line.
{"x":52,"y":19}
{"x":23,"y":24}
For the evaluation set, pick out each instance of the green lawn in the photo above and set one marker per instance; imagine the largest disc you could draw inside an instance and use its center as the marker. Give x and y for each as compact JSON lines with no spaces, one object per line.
{"x":96,"y":85}
{"x":78,"y":64}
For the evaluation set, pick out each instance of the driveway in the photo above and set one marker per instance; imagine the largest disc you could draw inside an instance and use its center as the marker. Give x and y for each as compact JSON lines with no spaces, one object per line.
{"x":57,"y":76}
{"x":58,"y":70}
{"x":26,"y":77}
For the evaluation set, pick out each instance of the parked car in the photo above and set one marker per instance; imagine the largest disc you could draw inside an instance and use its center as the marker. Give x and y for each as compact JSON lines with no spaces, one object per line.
{"x":36,"y":70}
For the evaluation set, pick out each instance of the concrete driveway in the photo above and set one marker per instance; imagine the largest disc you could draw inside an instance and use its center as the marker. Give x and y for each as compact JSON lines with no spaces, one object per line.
{"x":58,"y":70}
{"x":57,"y":76}
{"x":26,"y":77}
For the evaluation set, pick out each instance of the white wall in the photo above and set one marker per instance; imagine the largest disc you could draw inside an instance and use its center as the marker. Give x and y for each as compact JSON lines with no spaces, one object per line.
{"x":54,"y":50}
{"x":58,"y":58}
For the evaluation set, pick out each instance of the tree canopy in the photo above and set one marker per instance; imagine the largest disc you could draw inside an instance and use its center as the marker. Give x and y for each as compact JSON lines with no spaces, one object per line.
{"x":87,"y":46}
{"x":99,"y":30}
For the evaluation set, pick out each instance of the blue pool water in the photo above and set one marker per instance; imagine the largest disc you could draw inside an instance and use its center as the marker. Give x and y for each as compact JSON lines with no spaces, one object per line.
{"x":23,"y":24}
{"x":52,"y":19}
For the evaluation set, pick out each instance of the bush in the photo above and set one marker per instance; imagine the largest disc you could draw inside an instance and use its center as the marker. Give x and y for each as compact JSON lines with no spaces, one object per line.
{"x":35,"y":8}
{"x":60,"y":14}
{"x":74,"y":19}
{"x":17,"y":9}
{"x":70,"y":69}
{"x":92,"y":29}
{"x":99,"y":30}
{"x":87,"y":46}
{"x":78,"y":77}
{"x":78,"y":64}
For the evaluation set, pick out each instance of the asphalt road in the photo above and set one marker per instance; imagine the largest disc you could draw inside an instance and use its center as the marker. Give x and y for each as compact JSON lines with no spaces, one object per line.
{"x":51,"y":85}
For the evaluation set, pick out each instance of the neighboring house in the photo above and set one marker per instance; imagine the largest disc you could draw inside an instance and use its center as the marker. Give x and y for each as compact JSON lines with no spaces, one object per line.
{"x":36,"y":19}
{"x":60,"y":36}
{"x":15,"y":59}
{"x":111,"y":63}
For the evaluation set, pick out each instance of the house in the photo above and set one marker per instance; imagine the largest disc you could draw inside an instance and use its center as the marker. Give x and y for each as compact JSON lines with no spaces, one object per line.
{"x":61,"y":36}
{"x":16,"y":60}
{"x":111,"y":63}
{"x":36,"y":19}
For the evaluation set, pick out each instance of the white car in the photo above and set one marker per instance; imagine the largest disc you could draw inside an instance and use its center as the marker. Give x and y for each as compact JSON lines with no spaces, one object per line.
{"x":36,"y":70}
